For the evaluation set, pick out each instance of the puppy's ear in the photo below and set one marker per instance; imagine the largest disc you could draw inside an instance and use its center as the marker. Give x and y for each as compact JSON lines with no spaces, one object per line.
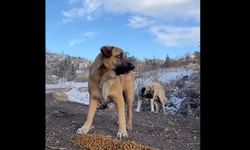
{"x":152,"y":89}
{"x":107,"y":51}
{"x":143,"y":90}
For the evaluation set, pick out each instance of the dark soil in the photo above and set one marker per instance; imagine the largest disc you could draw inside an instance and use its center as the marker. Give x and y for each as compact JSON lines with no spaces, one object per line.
{"x":166,"y":132}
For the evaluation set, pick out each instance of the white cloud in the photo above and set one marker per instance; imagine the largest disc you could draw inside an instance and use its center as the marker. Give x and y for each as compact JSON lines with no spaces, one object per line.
{"x":88,"y":9}
{"x":67,"y":20}
{"x":161,"y":12}
{"x":175,"y":36}
{"x":90,"y":34}
{"x":167,"y":9}
{"x":137,"y":22}
{"x":75,"y":12}
{"x":77,"y":41}
{"x":89,"y":18}
{"x":90,"y":6}
{"x":177,"y":8}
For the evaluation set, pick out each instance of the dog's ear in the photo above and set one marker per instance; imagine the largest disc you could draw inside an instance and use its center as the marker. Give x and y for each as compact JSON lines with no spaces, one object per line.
{"x":143,"y":90}
{"x":107,"y":51}
{"x":152,"y":89}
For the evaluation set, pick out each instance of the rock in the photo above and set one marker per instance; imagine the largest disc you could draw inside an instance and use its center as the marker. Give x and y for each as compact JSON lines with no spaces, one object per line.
{"x":60,"y":96}
{"x":176,"y":132}
{"x":61,"y":90}
{"x":166,"y":130}
{"x":170,"y":122}
{"x":185,"y":77}
{"x":83,"y":89}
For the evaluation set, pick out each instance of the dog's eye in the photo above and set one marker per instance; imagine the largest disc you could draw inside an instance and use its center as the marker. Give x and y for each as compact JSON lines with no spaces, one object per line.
{"x":118,"y":56}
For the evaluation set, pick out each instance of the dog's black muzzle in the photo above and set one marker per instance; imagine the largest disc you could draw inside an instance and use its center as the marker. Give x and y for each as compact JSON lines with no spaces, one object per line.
{"x":149,"y":96}
{"x":131,"y":66}
{"x":124,"y":68}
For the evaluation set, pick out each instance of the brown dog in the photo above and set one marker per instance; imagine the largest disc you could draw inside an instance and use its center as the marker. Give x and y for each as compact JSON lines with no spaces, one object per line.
{"x":111,"y":80}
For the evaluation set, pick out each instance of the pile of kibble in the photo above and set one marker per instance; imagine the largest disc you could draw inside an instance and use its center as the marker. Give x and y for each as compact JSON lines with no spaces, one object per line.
{"x":102,"y":142}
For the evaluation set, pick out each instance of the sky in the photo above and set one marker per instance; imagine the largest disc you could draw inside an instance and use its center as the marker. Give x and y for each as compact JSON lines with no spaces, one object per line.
{"x":144,"y":28}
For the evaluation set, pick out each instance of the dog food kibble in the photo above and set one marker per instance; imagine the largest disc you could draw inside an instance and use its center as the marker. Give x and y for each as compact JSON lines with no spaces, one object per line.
{"x":102,"y":142}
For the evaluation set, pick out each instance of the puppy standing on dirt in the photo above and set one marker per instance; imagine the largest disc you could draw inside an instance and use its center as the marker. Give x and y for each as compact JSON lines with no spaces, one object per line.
{"x":153,"y":92}
{"x":111,"y":80}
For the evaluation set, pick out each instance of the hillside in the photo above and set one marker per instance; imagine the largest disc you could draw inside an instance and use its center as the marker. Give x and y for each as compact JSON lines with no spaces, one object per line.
{"x":178,"y":92}
{"x":64,"y":66}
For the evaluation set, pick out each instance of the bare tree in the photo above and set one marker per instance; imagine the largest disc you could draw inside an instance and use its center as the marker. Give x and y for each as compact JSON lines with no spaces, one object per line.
{"x":167,"y":62}
{"x":187,"y":61}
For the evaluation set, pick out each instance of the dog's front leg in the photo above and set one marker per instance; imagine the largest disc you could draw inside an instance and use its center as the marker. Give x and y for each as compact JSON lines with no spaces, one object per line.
{"x":129,"y":98}
{"x":92,"y":109}
{"x":164,"y":108}
{"x":152,"y":104}
{"x":138,"y":105}
{"x":119,"y":100}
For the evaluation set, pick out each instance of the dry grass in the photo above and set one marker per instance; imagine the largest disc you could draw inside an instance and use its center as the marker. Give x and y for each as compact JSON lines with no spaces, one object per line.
{"x":102,"y":142}
{"x":81,"y":77}
{"x":50,"y":79}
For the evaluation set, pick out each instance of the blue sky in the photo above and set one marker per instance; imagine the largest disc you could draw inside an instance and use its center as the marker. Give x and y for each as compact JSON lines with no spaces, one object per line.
{"x":144,"y":28}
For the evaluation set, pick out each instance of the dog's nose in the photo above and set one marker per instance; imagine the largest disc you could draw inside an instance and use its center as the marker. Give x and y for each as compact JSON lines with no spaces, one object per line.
{"x":131,"y":66}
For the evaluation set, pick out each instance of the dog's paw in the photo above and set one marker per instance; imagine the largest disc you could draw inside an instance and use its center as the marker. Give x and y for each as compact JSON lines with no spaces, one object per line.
{"x":129,"y":127}
{"x":136,"y":110}
{"x":152,"y":111}
{"x":83,"y":130}
{"x":122,"y":134}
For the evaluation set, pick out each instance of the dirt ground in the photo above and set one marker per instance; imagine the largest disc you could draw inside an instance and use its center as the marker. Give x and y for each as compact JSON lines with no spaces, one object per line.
{"x":166,"y":132}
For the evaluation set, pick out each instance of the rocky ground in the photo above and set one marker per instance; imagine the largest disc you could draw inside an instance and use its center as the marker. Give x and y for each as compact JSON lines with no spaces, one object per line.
{"x":166,"y":132}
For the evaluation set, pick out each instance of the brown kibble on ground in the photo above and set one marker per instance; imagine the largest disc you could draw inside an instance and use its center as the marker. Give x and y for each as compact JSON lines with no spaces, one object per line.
{"x":102,"y":142}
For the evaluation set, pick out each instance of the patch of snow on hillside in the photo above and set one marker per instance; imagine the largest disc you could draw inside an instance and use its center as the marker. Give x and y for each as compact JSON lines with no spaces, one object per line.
{"x":166,"y":76}
{"x":66,"y":85}
{"x":76,"y":96}
{"x":174,"y":104}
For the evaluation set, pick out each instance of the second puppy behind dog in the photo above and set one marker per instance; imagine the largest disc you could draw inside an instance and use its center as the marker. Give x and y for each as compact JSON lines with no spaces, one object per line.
{"x":153,"y":92}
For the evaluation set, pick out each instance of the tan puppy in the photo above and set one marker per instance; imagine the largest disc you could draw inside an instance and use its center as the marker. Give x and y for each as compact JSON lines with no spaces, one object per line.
{"x":111,"y":80}
{"x":153,"y":92}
